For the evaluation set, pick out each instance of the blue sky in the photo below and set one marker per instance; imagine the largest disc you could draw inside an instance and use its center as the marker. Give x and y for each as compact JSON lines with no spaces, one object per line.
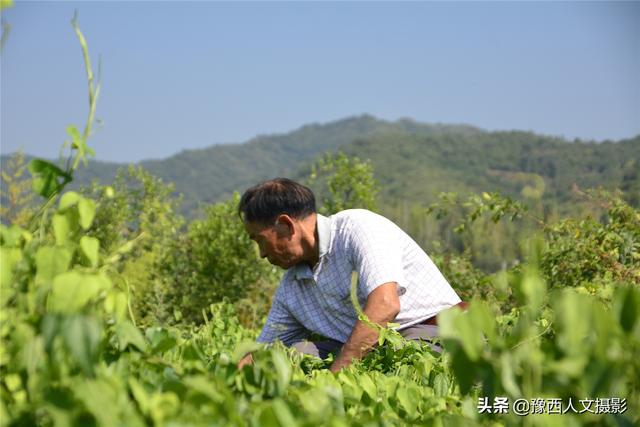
{"x":190,"y":74}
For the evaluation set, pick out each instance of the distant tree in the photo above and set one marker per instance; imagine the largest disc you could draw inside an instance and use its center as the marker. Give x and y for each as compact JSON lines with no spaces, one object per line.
{"x":631,"y":182}
{"x":138,"y":206}
{"x":137,"y":202}
{"x":15,"y":192}
{"x":214,"y":260}
{"x":594,"y":250}
{"x":343,"y":182}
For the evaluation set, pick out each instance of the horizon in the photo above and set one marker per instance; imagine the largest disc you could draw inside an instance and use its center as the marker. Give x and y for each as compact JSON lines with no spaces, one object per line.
{"x":333,"y":122}
{"x":246,"y":70}
{"x":329,"y":123}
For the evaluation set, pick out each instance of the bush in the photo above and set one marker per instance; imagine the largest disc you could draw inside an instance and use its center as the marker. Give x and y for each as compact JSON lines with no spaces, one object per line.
{"x":215,"y":260}
{"x":138,"y":206}
{"x":342,"y":182}
{"x":588,"y":250}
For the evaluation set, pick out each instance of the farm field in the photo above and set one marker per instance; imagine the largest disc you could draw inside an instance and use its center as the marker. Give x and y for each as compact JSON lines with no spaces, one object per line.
{"x":117,"y":311}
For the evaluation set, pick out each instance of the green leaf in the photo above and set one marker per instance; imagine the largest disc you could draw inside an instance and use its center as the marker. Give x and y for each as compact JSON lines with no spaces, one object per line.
{"x":101,"y":399}
{"x":204,"y":386}
{"x":283,"y":414}
{"x":68,"y":199}
{"x":267,"y":417}
{"x":87,"y":210}
{"x":162,"y":406}
{"x":368,"y":385}
{"x":82,"y":335}
{"x":283,"y":370}
{"x":90,"y":247}
{"x":441,"y":385}
{"x":60,"y":228}
{"x":459,"y":331}
{"x":507,"y":375}
{"x":409,"y":399}
{"x":9,"y":257}
{"x":243,"y":348}
{"x":140,"y":394}
{"x":47,"y":177}
{"x":130,"y":335}
{"x":482,"y":318}
{"x":4,"y":4}
{"x":50,"y":262}
{"x":72,"y":290}
{"x":574,"y":314}
{"x":11,"y":235}
{"x":116,"y":304}
{"x":534,"y":289}
{"x":627,"y":307}
{"x":161,"y":340}
{"x":77,"y":142}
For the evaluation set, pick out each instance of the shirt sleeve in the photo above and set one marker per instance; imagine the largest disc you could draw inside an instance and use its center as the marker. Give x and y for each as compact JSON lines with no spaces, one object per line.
{"x":376,"y":254}
{"x":281,"y":325}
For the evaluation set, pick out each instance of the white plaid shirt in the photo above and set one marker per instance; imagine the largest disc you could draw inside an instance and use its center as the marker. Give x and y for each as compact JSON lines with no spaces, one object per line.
{"x":379,"y":252}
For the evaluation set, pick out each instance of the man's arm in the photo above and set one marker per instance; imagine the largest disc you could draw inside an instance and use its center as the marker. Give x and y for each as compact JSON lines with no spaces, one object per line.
{"x":382,"y":307}
{"x":246,"y":360}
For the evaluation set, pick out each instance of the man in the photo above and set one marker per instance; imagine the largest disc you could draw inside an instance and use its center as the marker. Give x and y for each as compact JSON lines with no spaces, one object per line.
{"x":397,"y":281}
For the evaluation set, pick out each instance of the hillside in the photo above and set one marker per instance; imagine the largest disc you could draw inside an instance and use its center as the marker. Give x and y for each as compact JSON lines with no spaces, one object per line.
{"x":413,"y":161}
{"x":214,"y":173}
{"x":415,"y":167}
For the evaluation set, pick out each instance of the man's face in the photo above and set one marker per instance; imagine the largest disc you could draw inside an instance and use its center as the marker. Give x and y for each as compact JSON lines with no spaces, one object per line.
{"x":278,"y":243}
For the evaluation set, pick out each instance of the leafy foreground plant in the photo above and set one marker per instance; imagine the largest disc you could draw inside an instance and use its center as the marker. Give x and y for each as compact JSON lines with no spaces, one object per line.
{"x":576,"y":348}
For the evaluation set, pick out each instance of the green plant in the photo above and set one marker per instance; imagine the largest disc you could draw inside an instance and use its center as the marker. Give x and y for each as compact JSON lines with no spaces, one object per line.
{"x":16,"y":195}
{"x":562,"y":345}
{"x":344,"y":183}
{"x":214,"y":260}
{"x":587,"y":250}
{"x":72,"y":356}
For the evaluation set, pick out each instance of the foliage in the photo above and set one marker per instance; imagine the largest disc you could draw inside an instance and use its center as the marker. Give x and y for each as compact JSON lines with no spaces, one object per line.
{"x":136,"y":203}
{"x":15,"y":193}
{"x":6,"y":4}
{"x":70,"y":354}
{"x":561,"y":350}
{"x":344,"y":183}
{"x":468,"y":281}
{"x":413,"y":162}
{"x":60,"y":313}
{"x":476,"y":206}
{"x":587,"y":250}
{"x":477,"y":226}
{"x":214,"y":260}
{"x":562,"y":345}
{"x":140,"y":207}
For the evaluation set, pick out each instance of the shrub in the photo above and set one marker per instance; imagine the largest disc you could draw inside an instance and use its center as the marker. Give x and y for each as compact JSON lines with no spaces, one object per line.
{"x":215,"y":260}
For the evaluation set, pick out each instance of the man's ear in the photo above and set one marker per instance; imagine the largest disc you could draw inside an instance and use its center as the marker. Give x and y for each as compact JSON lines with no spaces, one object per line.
{"x":285,"y":225}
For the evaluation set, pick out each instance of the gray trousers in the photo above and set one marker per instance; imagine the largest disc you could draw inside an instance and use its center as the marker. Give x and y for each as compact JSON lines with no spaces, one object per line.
{"x":322,"y":349}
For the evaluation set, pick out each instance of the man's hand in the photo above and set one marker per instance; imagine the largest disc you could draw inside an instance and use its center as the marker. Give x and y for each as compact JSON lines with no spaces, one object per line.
{"x":246,"y":360}
{"x":382,"y":307}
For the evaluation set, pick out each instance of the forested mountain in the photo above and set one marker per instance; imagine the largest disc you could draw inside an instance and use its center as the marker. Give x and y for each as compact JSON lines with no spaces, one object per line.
{"x":521,"y":164}
{"x":412,"y":161}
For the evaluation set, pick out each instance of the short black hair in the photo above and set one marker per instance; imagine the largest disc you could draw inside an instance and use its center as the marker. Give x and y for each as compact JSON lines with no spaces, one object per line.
{"x":263,"y":202}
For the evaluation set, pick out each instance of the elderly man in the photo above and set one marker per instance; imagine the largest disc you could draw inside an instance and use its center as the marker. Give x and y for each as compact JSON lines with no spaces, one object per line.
{"x":397,"y":281}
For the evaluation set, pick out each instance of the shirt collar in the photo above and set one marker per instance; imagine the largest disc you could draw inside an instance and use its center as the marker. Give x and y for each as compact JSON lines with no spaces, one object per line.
{"x":324,"y":234}
{"x":302,"y":270}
